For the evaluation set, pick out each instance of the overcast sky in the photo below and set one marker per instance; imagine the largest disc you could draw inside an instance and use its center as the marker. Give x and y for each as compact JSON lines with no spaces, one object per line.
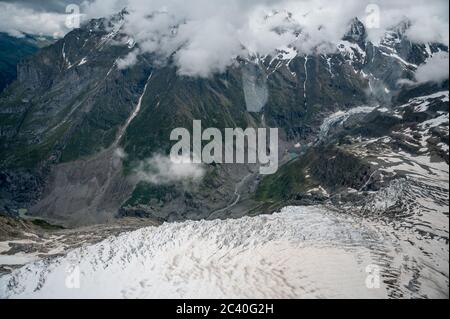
{"x":211,"y":33}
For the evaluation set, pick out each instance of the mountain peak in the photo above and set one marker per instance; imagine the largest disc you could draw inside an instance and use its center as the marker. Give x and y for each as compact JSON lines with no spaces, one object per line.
{"x":356,"y":32}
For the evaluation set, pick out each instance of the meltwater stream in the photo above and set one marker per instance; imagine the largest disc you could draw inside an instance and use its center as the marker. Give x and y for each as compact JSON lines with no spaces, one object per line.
{"x":301,"y":252}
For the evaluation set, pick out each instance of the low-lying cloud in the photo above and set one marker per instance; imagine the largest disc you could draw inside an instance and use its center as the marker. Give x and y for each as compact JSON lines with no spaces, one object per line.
{"x":129,"y":60}
{"x":436,"y":69}
{"x":205,"y":36}
{"x":161,"y":170}
{"x":17,"y":20}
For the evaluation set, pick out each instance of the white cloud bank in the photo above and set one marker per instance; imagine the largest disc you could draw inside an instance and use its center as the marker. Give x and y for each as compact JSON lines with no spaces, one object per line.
{"x":205,"y":36}
{"x":17,"y":20}
{"x":435,"y":70}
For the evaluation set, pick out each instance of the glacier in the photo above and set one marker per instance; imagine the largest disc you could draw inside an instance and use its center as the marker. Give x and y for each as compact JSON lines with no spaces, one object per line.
{"x":300,"y":252}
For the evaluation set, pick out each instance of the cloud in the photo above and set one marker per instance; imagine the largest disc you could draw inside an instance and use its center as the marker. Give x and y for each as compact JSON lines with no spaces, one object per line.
{"x":428,"y":19}
{"x":205,"y":36}
{"x":17,"y":20}
{"x":129,"y":60}
{"x":406,"y":82}
{"x":434,"y":70}
{"x":160,"y":169}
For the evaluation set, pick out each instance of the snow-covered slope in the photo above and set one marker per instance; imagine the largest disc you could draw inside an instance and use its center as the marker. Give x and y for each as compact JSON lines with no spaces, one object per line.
{"x":302,"y":252}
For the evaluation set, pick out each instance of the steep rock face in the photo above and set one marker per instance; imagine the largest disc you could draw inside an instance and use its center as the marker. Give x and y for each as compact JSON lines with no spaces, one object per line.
{"x":72,"y":108}
{"x":68,"y":103}
{"x":13,"y":50}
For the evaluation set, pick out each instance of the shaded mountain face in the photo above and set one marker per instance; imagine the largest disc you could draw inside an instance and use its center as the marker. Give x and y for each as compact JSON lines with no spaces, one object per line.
{"x":12,"y":50}
{"x":74,"y":127}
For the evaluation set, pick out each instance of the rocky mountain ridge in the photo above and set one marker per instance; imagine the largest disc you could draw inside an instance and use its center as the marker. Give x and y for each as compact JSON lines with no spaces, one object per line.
{"x":65,"y":118}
